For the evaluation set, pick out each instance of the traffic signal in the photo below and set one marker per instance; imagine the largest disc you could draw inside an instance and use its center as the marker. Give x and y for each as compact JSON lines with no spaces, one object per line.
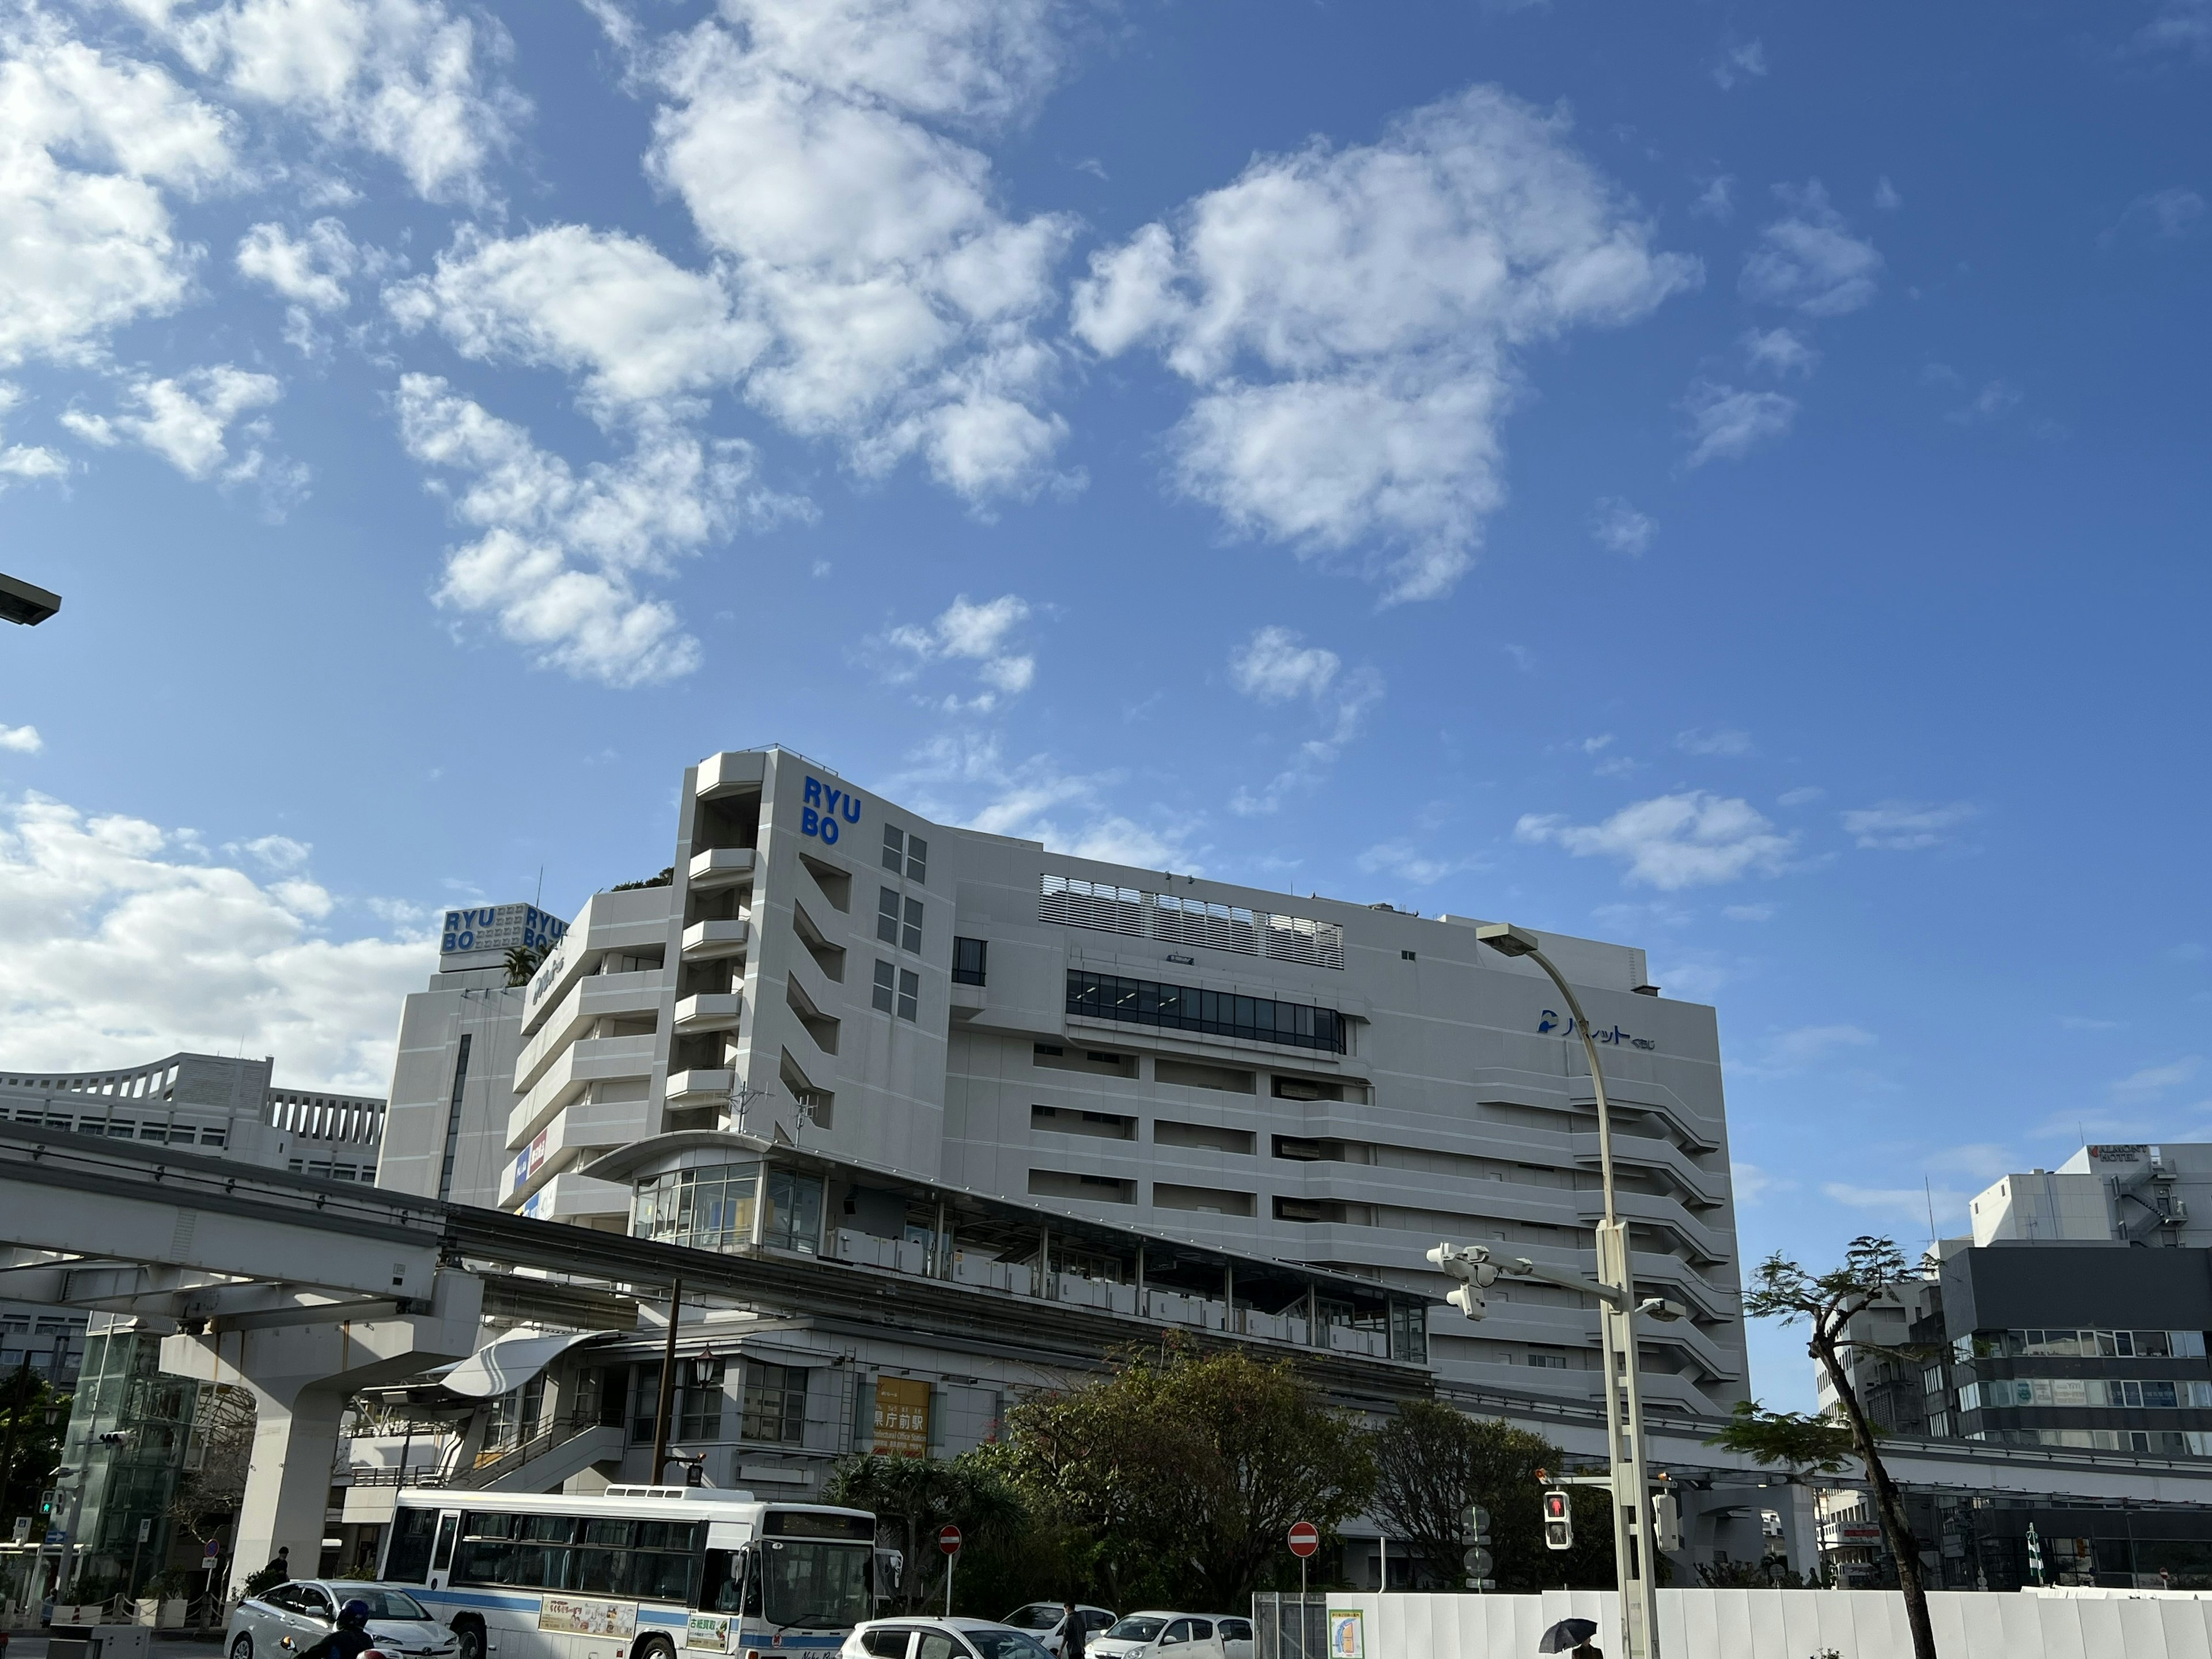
{"x":1470,"y":1265}
{"x":1666,"y":1522}
{"x":1558,"y":1519}
{"x":46,"y":1504}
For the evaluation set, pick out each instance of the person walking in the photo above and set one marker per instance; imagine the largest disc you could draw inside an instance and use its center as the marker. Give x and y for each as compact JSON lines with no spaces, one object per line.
{"x":281,"y":1564}
{"x":1071,"y":1632}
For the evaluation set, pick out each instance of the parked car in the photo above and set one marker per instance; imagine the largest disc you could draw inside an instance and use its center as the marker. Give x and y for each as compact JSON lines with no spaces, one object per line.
{"x":290,"y":1618}
{"x":939,"y":1638}
{"x":1175,"y":1636}
{"x":1044,"y":1620}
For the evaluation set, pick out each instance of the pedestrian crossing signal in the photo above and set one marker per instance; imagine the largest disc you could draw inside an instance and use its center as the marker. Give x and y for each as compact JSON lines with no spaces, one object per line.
{"x":1559,"y":1520}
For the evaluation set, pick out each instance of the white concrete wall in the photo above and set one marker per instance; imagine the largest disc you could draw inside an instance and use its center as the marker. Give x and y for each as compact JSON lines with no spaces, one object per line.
{"x":2043,"y":1206}
{"x":1791,"y":1624}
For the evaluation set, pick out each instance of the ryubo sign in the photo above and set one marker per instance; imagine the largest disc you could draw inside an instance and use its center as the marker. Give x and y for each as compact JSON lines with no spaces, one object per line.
{"x":502,"y":927}
{"x":824,"y":806}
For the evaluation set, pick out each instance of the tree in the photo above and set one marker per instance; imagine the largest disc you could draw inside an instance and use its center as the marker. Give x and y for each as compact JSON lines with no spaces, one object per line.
{"x":1432,"y":1462}
{"x":213,"y":1485}
{"x":914,"y":1498}
{"x":1187,"y":1471}
{"x":523,"y":962}
{"x":1826,"y":1303}
{"x":37,"y":1416}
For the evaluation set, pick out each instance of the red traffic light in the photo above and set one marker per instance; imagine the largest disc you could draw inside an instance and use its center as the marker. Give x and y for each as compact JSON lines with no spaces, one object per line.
{"x":1555,"y":1506}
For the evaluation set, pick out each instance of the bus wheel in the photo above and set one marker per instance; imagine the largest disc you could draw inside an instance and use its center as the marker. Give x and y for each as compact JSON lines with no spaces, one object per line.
{"x":654,"y":1647}
{"x":472,"y":1639}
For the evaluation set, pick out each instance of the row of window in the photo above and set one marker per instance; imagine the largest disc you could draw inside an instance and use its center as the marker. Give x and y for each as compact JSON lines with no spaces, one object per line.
{"x":2083,"y":1344}
{"x":712,"y":1208}
{"x":2163,"y":1442}
{"x":772,"y":1407}
{"x":905,"y":854}
{"x":898,"y":990}
{"x":1187,"y":1008}
{"x":1173,"y":918}
{"x":2153,"y":1393}
{"x":124,"y":1129}
{"x":326,"y":1170}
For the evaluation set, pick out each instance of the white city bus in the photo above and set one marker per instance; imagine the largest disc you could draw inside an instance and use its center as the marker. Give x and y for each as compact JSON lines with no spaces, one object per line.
{"x":637,"y":1573}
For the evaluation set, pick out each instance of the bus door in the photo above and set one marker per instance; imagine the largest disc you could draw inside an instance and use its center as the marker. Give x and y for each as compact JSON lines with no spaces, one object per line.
{"x":441,"y":1554}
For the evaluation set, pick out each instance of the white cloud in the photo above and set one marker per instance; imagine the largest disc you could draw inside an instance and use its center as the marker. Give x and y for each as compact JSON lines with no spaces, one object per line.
{"x":1672,"y":842}
{"x":1275,"y":665}
{"x":27,"y":461}
{"x":2180,"y":26}
{"x":966,"y":631}
{"x":1808,"y":1045}
{"x":557,"y":562}
{"x":1402,"y":860}
{"x":404,"y":79}
{"x":1809,"y":261}
{"x":87,"y":245}
{"x":639,"y":327}
{"x":1353,"y":320}
{"x":311,"y":271}
{"x":1717,"y":200}
{"x":1745,"y":61}
{"x":1993,"y":401}
{"x":965,"y":779}
{"x":1781,"y":351}
{"x":1619,"y":528}
{"x":21,"y":739}
{"x":1727,"y":742}
{"x":902,"y":304}
{"x":1751,"y":1183}
{"x":1886,"y":196}
{"x":125,"y":944}
{"x":1726,"y":424}
{"x":1910,"y":1203}
{"x":2156,"y":1079}
{"x":1749,"y":911}
{"x":1904,"y":826}
{"x":1801,"y":797}
{"x":187,"y":421}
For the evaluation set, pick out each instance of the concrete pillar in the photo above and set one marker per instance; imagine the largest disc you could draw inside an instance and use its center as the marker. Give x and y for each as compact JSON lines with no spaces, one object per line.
{"x":300,"y":1376}
{"x":1801,"y":1525}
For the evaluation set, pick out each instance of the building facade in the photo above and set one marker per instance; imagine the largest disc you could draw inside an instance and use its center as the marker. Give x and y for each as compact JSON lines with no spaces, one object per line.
{"x":453,"y":1074}
{"x":1307,"y":1080}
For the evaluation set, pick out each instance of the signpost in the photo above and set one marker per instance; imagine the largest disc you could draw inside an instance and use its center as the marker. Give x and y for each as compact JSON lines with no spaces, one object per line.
{"x":948,"y":1539}
{"x":1305,"y":1539}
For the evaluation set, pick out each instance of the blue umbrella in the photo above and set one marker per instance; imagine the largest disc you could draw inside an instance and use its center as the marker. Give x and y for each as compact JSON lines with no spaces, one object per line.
{"x":1567,"y":1635}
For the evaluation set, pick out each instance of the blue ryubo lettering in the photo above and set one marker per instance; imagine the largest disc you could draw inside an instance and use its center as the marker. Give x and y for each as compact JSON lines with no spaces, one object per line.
{"x":824,"y":806}
{"x":810,"y":821}
{"x":828,"y":830}
{"x":814,"y":791}
{"x":852,"y":809}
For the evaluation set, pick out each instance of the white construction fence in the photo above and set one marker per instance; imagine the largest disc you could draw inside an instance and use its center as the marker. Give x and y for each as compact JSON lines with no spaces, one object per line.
{"x":1745,"y":1623}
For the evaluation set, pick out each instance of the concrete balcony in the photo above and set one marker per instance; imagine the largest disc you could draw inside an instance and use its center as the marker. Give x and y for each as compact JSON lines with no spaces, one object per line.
{"x":722,"y":866}
{"x":582,"y":1063}
{"x":700,"y":1088}
{"x":709,"y":1010}
{"x":705,"y":941}
{"x":592,"y":997}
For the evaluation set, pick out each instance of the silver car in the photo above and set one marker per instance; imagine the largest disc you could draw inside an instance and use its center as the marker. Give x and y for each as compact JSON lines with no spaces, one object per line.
{"x":287,"y":1619}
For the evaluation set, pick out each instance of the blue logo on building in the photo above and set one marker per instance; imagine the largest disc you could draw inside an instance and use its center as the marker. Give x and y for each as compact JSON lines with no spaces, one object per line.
{"x":1598,"y":1033}
{"x":824,"y":806}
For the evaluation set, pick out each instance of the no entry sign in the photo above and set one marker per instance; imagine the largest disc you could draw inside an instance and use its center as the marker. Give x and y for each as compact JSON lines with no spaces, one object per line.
{"x":948,"y":1539}
{"x":1304,"y":1540}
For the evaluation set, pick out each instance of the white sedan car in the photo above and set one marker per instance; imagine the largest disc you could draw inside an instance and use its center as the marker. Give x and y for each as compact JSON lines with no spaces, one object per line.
{"x":939,"y":1638}
{"x":1176,"y":1636}
{"x":289,"y":1618}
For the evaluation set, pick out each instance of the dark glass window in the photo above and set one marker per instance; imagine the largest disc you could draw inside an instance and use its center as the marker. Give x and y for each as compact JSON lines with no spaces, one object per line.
{"x":887,"y":915}
{"x":968,"y":959}
{"x":886,"y":978}
{"x":910,"y":994}
{"x":1186,"y":1008}
{"x":910,"y":936}
{"x":894,"y":848}
{"x":408,"y":1562}
{"x":917,"y":859}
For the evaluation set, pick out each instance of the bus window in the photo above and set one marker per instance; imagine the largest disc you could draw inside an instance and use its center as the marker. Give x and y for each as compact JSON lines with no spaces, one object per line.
{"x":448,"y":1529}
{"x":664,"y":1576}
{"x":724,"y":1585}
{"x":408,"y":1561}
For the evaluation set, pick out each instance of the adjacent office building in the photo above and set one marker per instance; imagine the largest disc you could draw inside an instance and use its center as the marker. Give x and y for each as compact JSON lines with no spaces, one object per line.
{"x":826,"y":973}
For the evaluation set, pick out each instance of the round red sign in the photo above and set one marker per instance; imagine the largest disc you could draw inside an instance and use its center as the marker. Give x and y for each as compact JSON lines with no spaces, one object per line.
{"x":1305,"y":1538}
{"x":948,"y":1539}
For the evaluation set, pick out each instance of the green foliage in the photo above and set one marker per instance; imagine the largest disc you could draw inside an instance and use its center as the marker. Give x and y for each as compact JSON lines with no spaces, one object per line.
{"x":1174,"y":1480}
{"x":31,"y":1446}
{"x":666,"y":878}
{"x":913,"y":1496}
{"x":1432,"y":1461}
{"x":261,"y":1577}
{"x":1772,"y":1573}
{"x":523,"y":962}
{"x":1782,"y":1290}
{"x":1798,"y":1440}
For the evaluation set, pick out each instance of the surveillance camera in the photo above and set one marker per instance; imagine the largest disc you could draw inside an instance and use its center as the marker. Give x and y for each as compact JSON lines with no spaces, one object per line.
{"x":1661,"y":1309}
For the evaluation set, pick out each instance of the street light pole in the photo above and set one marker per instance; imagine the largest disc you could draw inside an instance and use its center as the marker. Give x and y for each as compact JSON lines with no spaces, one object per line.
{"x":1624,"y":1398}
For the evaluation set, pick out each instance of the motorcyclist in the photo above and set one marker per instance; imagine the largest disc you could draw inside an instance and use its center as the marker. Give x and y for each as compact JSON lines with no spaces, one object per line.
{"x":350,"y":1637}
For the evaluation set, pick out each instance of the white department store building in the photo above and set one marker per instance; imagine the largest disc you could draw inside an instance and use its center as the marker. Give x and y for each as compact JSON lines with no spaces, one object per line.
{"x":1303,"y":1079}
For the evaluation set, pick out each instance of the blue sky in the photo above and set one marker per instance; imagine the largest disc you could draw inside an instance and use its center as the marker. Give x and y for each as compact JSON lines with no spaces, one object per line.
{"x":1727,"y":478}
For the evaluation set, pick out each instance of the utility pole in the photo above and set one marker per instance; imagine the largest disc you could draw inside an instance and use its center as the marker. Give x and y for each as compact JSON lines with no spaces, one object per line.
{"x":660,"y":1424}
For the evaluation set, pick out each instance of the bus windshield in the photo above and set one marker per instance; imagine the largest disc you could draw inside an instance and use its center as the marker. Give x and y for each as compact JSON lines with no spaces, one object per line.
{"x":810,"y":1585}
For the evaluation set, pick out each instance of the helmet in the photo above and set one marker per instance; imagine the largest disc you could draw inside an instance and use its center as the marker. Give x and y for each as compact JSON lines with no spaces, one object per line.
{"x":354,"y":1614}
